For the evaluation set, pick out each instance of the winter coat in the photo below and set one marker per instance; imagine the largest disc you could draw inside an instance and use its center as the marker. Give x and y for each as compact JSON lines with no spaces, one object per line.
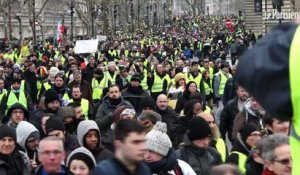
{"x":115,"y":167}
{"x":252,"y":167}
{"x":247,"y":116}
{"x":227,"y":118}
{"x":200,"y":159}
{"x":169,"y":165}
{"x":13,"y":107}
{"x":238,"y":146}
{"x":100,"y":153}
{"x":19,"y":164}
{"x":171,"y":118}
{"x":38,"y":171}
{"x":134,"y":96}
{"x":85,"y":88}
{"x":104,"y":116}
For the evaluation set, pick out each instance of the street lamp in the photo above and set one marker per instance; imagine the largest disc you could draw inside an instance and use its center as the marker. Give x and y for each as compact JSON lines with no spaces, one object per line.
{"x":132,"y":15}
{"x":72,"y":20}
{"x":165,"y":7}
{"x":115,"y":12}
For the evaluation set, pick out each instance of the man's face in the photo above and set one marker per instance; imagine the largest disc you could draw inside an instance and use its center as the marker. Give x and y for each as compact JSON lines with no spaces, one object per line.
{"x":51,"y":154}
{"x":32,"y":144}
{"x":135,"y":83}
{"x":17,"y":115}
{"x":160,"y":68}
{"x":202,"y":143}
{"x":92,"y":139}
{"x":253,"y":138}
{"x":73,"y":67}
{"x":57,"y":133}
{"x":53,"y":105}
{"x":282,"y":164}
{"x":59,"y":82}
{"x":133,"y":147}
{"x":7,"y":145}
{"x":78,"y":112}
{"x":255,"y":106}
{"x":112,"y":68}
{"x":162,"y":102}
{"x":279,"y":126}
{"x":16,"y":85}
{"x":242,"y":93}
{"x":151,"y":156}
{"x":92,"y":60}
{"x":76,"y":93}
{"x":77,"y":78}
{"x":114,"y":92}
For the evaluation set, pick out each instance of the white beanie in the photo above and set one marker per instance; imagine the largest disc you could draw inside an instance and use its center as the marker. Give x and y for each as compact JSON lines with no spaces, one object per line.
{"x":158,"y":140}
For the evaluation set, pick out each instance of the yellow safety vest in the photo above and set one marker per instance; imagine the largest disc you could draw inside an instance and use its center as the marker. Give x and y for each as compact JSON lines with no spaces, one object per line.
{"x":98,"y":88}
{"x":47,"y":85}
{"x":197,"y":80}
{"x":221,"y":147}
{"x":12,"y":99}
{"x":222,"y":82}
{"x":207,"y":88}
{"x":108,"y":77}
{"x":242,"y":161}
{"x":295,"y":96}
{"x":85,"y":107}
{"x":210,"y":70}
{"x":158,"y":83}
{"x":4,"y":92}
{"x":144,"y":81}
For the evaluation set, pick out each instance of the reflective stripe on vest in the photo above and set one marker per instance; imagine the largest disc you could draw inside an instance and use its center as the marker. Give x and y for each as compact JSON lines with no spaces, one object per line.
{"x":84,"y":103}
{"x":242,"y":161}
{"x":22,"y":87}
{"x":197,"y":80}
{"x":98,"y":88}
{"x":158,"y":83}
{"x":295,"y":99}
{"x":221,"y":147}
{"x":12,"y":99}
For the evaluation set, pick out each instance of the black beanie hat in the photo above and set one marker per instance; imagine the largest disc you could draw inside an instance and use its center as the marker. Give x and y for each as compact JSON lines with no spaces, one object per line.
{"x":198,"y":129}
{"x":6,"y":131}
{"x":246,"y":131}
{"x":85,"y":158}
{"x":147,"y":102}
{"x":54,"y":123}
{"x":51,"y":95}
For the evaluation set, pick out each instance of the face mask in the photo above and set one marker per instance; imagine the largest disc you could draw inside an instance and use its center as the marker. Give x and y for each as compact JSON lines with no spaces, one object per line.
{"x":71,"y":127}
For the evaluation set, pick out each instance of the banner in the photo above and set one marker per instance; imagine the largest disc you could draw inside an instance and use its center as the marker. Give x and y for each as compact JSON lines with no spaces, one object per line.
{"x":86,"y":46}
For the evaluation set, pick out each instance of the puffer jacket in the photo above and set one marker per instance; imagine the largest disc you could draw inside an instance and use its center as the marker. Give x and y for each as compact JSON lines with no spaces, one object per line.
{"x":200,"y":159}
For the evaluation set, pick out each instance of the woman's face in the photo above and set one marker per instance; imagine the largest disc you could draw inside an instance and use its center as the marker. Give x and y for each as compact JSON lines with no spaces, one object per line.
{"x":197,"y":108}
{"x":181,"y":82}
{"x":193,"y":88}
{"x":78,"y":167}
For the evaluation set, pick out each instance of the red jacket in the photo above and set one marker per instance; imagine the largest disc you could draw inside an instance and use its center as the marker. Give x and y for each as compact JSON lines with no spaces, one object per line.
{"x":267,"y":172}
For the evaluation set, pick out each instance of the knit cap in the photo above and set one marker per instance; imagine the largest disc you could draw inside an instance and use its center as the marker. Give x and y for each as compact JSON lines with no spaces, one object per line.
{"x":158,"y":140}
{"x":54,"y":123}
{"x":6,"y":131}
{"x":198,"y":129}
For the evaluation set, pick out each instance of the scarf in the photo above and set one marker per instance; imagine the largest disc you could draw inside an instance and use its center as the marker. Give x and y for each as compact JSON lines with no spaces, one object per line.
{"x":164,"y":165}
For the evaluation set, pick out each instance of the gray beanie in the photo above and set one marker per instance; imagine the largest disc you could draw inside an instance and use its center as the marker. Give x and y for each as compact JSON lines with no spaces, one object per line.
{"x":158,"y":140}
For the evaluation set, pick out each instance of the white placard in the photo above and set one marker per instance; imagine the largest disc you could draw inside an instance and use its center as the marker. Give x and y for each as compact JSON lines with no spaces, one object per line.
{"x":86,"y":46}
{"x":101,"y":37}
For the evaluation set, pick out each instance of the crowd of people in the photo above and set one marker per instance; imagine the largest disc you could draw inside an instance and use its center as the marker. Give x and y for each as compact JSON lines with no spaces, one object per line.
{"x":165,"y":102}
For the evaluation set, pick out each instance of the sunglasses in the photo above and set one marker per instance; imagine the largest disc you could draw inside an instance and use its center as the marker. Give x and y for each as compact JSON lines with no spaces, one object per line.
{"x":283,"y":161}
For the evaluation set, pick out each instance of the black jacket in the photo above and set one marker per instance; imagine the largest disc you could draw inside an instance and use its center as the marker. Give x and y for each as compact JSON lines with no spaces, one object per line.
{"x":200,"y":159}
{"x":252,"y":167}
{"x":238,"y":146}
{"x":16,"y":164}
{"x":268,"y":64}
{"x":115,"y":167}
{"x":227,"y":118}
{"x":134,"y":96}
{"x":38,"y":171}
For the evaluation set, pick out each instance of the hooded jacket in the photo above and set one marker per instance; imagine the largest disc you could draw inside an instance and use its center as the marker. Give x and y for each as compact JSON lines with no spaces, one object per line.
{"x":13,"y":107}
{"x":100,"y":153}
{"x":24,"y":129}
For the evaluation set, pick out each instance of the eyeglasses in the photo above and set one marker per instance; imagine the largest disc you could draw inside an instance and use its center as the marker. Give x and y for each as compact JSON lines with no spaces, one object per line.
{"x":49,"y":153}
{"x":283,"y":161}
